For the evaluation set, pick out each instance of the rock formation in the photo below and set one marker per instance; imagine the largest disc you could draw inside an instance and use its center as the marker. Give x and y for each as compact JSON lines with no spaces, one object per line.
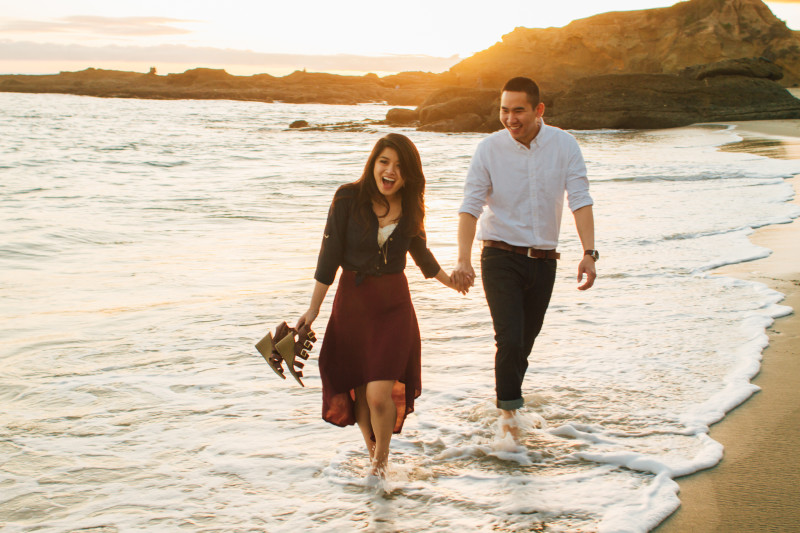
{"x":641,"y":101}
{"x":740,"y":89}
{"x":459,"y":109}
{"x":204,"y":83}
{"x":653,"y":41}
{"x":759,"y":67}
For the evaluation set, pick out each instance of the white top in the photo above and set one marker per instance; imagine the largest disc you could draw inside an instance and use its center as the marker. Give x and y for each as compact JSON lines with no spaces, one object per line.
{"x":384,"y":232}
{"x":523,"y":188}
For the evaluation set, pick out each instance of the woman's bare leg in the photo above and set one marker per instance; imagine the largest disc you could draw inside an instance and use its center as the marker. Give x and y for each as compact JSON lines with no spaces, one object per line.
{"x":383,"y":415}
{"x":363,"y":419}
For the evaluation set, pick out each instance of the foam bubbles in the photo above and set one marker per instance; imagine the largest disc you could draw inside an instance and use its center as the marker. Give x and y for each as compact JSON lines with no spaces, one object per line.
{"x":141,"y":259}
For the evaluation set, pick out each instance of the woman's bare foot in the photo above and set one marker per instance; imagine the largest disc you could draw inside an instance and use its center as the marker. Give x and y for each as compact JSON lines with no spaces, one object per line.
{"x":378,"y":469}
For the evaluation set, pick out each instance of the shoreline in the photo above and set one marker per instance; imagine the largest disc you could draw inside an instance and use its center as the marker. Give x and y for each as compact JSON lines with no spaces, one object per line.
{"x":756,"y":486}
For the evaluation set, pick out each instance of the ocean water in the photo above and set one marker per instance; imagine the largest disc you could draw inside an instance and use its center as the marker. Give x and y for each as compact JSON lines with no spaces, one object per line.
{"x":145,"y":246}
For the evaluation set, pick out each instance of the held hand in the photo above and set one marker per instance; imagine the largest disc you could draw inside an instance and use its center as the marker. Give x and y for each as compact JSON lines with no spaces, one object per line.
{"x":448,"y":281}
{"x":459,"y":288}
{"x":463,"y":276}
{"x":587,"y":267}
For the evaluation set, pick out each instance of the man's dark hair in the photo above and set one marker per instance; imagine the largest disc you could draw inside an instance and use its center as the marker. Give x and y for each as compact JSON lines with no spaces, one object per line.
{"x":525,"y":85}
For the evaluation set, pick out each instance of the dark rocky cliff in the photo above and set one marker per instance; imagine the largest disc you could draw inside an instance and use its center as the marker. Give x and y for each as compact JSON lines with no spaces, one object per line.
{"x":653,"y":41}
{"x":740,"y":89}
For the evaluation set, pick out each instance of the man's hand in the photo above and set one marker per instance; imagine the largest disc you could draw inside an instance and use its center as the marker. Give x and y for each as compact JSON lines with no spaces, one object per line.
{"x":463,"y":276}
{"x":587,"y":267}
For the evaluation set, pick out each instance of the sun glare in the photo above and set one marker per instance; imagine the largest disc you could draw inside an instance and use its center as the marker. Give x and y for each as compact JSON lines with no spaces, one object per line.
{"x":51,"y":36}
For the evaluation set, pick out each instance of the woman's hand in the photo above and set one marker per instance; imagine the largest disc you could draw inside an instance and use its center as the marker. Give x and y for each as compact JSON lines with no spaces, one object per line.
{"x":448,"y":281}
{"x":463,"y":277}
{"x":307,"y":318}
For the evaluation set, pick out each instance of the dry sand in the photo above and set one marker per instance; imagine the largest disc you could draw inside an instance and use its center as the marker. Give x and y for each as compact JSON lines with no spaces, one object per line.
{"x":756,"y":486}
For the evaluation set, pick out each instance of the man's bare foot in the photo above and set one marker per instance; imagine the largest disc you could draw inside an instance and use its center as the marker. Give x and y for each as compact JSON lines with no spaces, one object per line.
{"x":509,"y":424}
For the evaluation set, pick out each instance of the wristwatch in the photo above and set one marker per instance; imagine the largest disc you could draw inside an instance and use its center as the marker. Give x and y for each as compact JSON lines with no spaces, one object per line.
{"x":593,"y":253}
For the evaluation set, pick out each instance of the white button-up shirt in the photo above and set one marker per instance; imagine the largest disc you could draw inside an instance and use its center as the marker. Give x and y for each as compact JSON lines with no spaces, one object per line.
{"x":523,"y":188}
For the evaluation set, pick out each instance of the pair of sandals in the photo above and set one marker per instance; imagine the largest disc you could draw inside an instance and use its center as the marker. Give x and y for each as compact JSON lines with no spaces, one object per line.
{"x":287,"y":345}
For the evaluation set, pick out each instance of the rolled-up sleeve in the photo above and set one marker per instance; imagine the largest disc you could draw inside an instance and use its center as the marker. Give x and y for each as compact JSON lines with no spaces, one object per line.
{"x":331,"y":252}
{"x":577,"y":184}
{"x":422,"y":256}
{"x":477,"y":186}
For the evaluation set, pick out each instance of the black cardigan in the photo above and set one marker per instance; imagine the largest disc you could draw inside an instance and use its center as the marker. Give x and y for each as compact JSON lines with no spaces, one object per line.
{"x":353,"y":246}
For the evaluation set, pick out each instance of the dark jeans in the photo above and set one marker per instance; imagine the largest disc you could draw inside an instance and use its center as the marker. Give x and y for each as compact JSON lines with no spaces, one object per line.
{"x":518,"y":290}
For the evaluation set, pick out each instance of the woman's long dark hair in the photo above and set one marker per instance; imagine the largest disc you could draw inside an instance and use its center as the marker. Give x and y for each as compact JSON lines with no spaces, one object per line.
{"x":413,"y":191}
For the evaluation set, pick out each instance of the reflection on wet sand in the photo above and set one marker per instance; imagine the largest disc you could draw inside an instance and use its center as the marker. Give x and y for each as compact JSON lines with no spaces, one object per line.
{"x":777,"y":139}
{"x":773,"y":148}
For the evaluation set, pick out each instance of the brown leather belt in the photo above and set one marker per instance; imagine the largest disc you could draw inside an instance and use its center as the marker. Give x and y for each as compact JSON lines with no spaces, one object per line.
{"x":530,"y":252}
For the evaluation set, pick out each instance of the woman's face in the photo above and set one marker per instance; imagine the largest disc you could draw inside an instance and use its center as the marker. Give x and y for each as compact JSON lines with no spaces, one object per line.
{"x":387,"y":172}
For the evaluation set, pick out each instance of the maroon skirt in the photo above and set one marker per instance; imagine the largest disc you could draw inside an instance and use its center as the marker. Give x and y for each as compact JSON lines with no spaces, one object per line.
{"x":372,"y":335}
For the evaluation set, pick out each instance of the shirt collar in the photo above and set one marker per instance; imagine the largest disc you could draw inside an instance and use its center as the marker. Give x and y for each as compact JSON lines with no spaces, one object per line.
{"x":538,"y":141}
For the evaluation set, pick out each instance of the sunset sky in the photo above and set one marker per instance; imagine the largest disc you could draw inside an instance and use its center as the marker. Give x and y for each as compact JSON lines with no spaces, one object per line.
{"x":247,"y":36}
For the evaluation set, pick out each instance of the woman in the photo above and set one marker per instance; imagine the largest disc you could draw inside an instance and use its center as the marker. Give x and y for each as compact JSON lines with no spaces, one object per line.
{"x":370,"y":357}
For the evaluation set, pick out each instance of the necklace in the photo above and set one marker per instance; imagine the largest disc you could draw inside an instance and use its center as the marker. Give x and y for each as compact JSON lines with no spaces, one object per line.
{"x":385,"y":252}
{"x":384,"y":236}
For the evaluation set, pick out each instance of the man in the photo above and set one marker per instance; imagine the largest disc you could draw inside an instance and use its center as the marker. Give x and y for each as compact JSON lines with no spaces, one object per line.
{"x":521,"y":174}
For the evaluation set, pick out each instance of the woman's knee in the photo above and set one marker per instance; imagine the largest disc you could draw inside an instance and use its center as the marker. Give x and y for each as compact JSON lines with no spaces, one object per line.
{"x":379,"y":396}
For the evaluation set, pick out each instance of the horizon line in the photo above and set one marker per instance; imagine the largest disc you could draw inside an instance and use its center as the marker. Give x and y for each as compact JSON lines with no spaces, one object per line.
{"x":26,"y":55}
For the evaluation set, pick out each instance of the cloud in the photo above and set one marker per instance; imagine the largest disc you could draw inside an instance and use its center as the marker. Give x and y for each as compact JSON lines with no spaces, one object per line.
{"x":207,"y":56}
{"x":118,"y":26}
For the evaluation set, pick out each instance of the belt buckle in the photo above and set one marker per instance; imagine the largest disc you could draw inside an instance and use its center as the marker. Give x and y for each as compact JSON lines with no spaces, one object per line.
{"x":529,"y":253}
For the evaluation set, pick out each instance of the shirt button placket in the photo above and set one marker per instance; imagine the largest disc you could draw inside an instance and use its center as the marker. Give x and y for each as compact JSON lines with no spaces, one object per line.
{"x":532,"y":185}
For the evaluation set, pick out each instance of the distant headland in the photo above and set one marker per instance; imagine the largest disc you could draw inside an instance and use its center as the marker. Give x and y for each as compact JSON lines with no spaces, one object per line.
{"x":694,"y":61}
{"x":209,"y":84}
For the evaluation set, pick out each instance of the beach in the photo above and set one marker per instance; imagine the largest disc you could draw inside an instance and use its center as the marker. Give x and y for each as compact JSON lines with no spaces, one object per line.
{"x":756,"y":486}
{"x":162,"y":250}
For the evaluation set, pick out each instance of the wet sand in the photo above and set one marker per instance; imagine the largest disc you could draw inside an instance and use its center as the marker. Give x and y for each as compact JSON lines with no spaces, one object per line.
{"x":756,"y":486}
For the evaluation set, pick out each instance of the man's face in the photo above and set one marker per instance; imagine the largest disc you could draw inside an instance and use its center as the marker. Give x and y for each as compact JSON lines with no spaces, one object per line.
{"x":519,"y":117}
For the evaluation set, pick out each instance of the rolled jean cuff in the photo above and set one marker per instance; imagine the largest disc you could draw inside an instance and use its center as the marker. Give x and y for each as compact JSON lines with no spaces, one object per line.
{"x":510,"y":405}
